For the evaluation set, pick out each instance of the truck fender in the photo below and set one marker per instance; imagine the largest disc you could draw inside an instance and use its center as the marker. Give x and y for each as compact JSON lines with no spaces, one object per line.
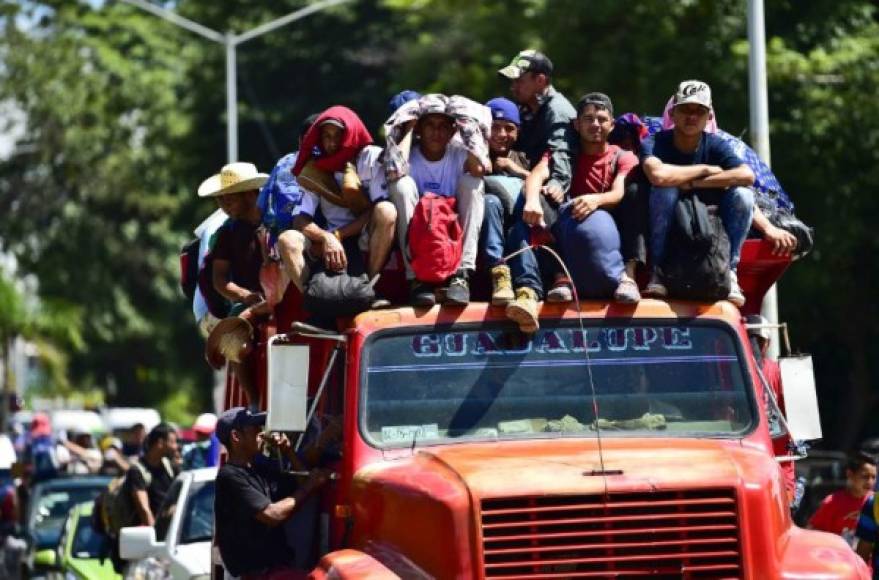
{"x":354,"y":564}
{"x":813,"y":554}
{"x":345,"y":564}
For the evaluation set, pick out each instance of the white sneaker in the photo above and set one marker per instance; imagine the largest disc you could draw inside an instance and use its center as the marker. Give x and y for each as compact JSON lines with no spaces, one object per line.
{"x":735,"y":291}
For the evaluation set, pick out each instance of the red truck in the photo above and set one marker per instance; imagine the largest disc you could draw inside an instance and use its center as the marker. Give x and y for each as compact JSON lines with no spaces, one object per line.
{"x":617,"y":441}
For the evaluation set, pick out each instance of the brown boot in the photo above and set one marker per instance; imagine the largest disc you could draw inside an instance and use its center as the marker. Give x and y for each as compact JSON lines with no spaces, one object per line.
{"x":523,"y":310}
{"x":501,"y":286}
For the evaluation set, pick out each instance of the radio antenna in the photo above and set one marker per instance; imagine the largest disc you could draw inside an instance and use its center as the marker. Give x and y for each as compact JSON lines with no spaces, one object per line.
{"x":602,"y":471}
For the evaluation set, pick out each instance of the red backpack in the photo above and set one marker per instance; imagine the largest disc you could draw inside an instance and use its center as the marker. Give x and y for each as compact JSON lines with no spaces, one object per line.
{"x":436,"y":239}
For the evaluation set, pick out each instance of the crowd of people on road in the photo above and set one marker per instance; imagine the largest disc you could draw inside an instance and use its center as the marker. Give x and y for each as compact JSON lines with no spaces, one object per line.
{"x":461,"y":186}
{"x":142,"y":467}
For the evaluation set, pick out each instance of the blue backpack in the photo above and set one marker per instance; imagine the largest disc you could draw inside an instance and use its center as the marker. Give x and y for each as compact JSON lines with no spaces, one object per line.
{"x":43,"y":458}
{"x":279,"y":197}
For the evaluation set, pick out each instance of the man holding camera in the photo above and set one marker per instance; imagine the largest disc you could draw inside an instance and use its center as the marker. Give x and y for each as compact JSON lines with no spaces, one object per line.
{"x":254,"y":499}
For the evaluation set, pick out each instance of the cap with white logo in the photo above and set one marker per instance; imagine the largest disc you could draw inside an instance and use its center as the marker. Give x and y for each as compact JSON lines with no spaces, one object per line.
{"x":693,"y":92}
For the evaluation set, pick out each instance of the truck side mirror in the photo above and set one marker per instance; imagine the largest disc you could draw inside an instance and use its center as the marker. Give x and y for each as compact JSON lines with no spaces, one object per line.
{"x":800,"y":397}
{"x":137,"y":542}
{"x":287,"y":386}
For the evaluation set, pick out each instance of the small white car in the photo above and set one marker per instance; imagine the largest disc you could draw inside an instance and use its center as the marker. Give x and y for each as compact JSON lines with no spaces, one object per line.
{"x":178,"y":547}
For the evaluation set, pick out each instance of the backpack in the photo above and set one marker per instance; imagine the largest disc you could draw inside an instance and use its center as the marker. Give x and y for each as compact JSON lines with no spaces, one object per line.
{"x":436,"y":239}
{"x":189,"y":267}
{"x":696,"y":264}
{"x":333,"y":294}
{"x":217,"y":304}
{"x":114,"y":508}
{"x":44,"y":458}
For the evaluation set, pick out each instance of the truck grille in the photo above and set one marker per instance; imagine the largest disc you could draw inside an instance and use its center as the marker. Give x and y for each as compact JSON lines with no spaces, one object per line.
{"x":691,"y":534}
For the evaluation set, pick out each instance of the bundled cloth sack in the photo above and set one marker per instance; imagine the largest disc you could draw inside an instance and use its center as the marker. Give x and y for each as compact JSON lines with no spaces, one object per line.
{"x":316,"y":172}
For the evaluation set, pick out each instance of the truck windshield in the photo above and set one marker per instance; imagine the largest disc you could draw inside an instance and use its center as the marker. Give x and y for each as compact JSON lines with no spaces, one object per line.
{"x":660,"y":379}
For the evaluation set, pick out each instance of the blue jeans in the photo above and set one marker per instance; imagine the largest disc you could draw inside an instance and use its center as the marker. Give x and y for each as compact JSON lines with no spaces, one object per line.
{"x":735,"y":207}
{"x":493,"y":230}
{"x":530,"y":268}
{"x":591,"y":250}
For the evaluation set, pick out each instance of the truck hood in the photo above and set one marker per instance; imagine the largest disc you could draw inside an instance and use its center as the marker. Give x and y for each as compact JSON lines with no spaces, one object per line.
{"x":456,"y":491}
{"x":561,"y":467}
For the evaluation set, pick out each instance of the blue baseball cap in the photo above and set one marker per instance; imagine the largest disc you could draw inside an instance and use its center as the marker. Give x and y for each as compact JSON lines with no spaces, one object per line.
{"x":402,"y":98}
{"x":503,"y":109}
{"x":236,"y":418}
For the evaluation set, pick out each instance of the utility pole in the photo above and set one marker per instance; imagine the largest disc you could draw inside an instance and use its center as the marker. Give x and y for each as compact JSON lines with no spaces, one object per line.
{"x":230,"y":41}
{"x":758,"y":101}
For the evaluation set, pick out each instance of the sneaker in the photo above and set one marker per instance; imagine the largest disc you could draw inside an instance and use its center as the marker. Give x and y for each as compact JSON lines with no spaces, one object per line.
{"x":627,"y":291}
{"x":655,"y":288}
{"x":562,"y":291}
{"x":735,"y":291}
{"x":501,"y":286}
{"x":421,"y":294}
{"x":458,"y":290}
{"x":523,"y":310}
{"x":380,"y":303}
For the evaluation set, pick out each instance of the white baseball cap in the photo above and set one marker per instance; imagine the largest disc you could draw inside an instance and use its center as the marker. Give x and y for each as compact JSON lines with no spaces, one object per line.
{"x":693,"y":92}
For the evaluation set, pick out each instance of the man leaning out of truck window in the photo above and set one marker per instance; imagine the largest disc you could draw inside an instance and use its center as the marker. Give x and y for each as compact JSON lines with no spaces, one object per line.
{"x":254,"y":498}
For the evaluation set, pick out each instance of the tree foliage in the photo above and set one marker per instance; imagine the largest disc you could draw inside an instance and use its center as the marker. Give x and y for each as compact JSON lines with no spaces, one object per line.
{"x":126,"y":115}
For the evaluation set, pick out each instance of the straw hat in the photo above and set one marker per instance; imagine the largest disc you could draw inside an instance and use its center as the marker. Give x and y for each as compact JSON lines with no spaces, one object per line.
{"x":233,"y":178}
{"x":229,"y":340}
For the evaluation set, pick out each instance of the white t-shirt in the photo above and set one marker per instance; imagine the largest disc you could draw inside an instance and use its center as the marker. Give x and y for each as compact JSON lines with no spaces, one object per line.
{"x":440,"y":177}
{"x":372,"y":178}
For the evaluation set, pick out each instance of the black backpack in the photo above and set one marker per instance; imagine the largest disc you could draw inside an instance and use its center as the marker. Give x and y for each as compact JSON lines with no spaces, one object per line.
{"x":189,"y":268}
{"x":333,"y":294}
{"x":696,"y":264}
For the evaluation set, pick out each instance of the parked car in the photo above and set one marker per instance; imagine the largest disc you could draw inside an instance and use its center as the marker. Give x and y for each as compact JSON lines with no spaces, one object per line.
{"x":179,"y":545}
{"x":79,"y":550}
{"x":50,"y":502}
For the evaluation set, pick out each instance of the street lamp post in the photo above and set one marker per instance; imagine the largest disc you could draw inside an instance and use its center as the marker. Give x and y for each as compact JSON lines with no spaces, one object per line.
{"x":231,"y":41}
{"x":758,"y":102}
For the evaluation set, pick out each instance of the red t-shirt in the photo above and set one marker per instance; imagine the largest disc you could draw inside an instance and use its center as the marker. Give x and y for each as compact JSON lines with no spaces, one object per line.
{"x":592,"y":173}
{"x":838,"y":514}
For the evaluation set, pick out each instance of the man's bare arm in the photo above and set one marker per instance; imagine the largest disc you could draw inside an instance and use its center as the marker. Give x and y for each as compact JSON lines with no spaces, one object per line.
{"x":783,"y":242}
{"x":228,"y":289}
{"x":142,"y":505}
{"x":277,"y":513}
{"x":280,"y":511}
{"x":474,"y":167}
{"x":333,"y":252}
{"x":532,"y":212}
{"x":737,"y":176}
{"x":667,"y":175}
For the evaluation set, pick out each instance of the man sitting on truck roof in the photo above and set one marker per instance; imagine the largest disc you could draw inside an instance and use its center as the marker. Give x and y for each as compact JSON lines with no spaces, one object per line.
{"x":503,"y":185}
{"x":253,"y":500}
{"x":546,"y":132}
{"x":585,"y":232}
{"x":687,"y":158}
{"x":598,"y":215}
{"x":342,"y":240}
{"x":436,"y":165}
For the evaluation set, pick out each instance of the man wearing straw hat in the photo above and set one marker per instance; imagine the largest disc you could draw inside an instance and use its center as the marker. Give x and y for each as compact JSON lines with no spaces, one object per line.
{"x":237,"y":259}
{"x":237,"y":256}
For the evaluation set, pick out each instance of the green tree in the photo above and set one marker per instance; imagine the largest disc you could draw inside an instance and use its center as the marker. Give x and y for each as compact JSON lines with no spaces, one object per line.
{"x":89,"y":198}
